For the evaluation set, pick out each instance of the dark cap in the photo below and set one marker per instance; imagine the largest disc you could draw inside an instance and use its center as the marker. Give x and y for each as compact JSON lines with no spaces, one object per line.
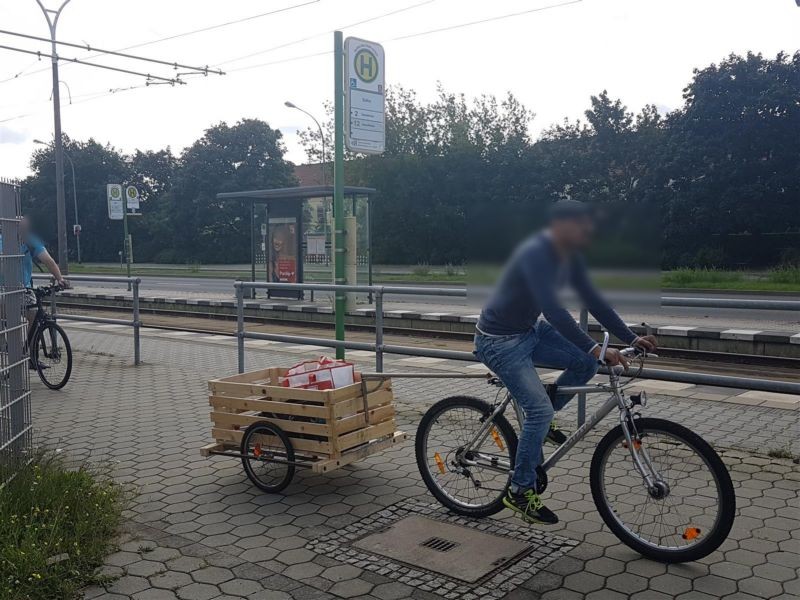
{"x":570,"y":209}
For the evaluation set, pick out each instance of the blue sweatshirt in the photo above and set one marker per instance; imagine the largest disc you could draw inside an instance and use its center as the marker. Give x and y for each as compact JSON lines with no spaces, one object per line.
{"x":528,"y":289}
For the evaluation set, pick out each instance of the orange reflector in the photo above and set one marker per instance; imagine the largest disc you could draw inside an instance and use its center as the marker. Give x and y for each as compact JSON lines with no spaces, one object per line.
{"x":439,"y":462}
{"x":690,"y":533}
{"x":637,"y":444}
{"x":257,"y":450}
{"x":497,"y":439}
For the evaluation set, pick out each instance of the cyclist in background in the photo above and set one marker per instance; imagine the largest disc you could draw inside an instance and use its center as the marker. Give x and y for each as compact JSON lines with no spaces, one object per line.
{"x":33,"y":250}
{"x":512,"y":337}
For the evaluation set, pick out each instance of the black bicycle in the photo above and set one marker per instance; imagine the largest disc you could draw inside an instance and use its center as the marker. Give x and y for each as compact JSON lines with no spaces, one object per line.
{"x":48,"y":345}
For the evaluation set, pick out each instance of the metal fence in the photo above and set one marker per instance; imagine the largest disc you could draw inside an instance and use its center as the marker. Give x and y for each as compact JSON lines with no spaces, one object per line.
{"x":380,"y":348}
{"x":16,"y":434}
{"x":132,"y":283}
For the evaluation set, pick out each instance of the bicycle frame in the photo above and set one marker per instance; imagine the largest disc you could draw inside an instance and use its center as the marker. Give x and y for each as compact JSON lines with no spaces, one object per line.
{"x":615,"y":400}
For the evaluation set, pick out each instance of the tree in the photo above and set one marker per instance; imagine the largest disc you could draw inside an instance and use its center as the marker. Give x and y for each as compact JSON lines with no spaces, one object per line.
{"x":732,"y":163}
{"x":246,"y":156}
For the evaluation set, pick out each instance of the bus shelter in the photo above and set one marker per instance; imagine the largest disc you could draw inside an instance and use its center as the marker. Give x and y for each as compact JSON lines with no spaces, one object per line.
{"x":291,"y":234}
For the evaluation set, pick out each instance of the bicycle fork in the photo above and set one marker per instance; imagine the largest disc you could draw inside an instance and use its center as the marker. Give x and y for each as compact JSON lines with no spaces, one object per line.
{"x":656,"y":486}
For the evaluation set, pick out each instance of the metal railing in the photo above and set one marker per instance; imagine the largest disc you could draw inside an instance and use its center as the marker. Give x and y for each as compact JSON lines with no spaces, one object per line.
{"x":380,"y":348}
{"x":131,"y":282}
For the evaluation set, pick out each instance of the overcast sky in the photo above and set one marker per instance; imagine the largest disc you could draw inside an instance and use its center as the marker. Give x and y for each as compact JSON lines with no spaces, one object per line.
{"x":642,"y":51}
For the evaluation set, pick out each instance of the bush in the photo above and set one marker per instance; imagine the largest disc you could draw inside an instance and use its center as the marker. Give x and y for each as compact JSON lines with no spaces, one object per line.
{"x":56,"y":526}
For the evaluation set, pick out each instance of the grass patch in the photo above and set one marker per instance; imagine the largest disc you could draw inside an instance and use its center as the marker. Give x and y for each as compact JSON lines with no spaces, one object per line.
{"x":784,"y":452}
{"x":781,"y":279}
{"x":56,"y":525}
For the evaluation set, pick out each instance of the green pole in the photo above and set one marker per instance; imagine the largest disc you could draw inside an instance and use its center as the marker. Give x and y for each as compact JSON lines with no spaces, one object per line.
{"x":125,"y":245}
{"x":338,"y":183}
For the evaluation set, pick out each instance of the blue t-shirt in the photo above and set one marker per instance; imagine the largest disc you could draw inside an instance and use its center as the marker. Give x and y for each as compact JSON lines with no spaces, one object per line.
{"x":30,"y":249}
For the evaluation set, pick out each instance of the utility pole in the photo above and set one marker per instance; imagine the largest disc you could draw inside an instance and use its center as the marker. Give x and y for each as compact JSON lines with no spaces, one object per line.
{"x":338,"y":184}
{"x":52,"y":16}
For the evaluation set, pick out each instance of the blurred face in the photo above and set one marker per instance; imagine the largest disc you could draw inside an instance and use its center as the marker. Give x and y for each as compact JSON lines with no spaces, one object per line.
{"x":574,"y":233}
{"x":24,"y":227}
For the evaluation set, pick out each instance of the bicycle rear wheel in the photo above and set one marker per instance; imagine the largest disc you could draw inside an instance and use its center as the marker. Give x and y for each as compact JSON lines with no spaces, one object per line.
{"x":52,"y":355}
{"x":445,"y":429}
{"x":687,"y":516}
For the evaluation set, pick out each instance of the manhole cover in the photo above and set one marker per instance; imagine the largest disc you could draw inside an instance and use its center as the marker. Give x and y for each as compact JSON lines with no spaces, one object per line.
{"x":525,"y":550}
{"x":459,"y":552}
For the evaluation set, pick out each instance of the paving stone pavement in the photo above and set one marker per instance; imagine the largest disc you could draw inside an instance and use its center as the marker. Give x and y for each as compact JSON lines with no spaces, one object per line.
{"x":197,"y":529}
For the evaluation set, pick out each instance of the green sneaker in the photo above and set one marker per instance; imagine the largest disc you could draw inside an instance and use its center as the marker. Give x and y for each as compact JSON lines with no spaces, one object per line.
{"x":555,"y":435}
{"x":530,"y":508}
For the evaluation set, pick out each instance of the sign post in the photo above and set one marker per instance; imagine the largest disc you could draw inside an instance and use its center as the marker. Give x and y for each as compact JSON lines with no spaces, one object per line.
{"x":360,"y":64}
{"x":338,"y":184}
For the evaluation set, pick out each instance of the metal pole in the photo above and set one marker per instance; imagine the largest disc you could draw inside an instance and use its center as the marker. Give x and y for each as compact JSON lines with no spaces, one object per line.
{"x":253,"y":249}
{"x":379,"y":331}
{"x":338,"y":184}
{"x":369,"y":245}
{"x":240,"y":325}
{"x":75,"y":206}
{"x":58,"y":141}
{"x":137,"y":354}
{"x":584,"y":323}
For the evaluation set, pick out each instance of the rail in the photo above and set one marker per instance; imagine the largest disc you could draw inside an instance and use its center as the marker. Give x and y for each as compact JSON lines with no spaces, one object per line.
{"x":131,"y":282}
{"x":743,"y":303}
{"x":380,"y":348}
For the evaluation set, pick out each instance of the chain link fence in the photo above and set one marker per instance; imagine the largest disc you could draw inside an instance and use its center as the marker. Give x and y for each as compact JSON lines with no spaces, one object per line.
{"x":15,"y":401}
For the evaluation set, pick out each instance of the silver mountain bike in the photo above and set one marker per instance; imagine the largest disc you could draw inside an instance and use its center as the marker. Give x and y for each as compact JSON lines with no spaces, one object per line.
{"x":659,"y":487}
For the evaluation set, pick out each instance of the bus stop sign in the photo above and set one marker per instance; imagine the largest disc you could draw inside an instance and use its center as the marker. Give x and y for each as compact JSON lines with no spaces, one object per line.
{"x":365,"y":95}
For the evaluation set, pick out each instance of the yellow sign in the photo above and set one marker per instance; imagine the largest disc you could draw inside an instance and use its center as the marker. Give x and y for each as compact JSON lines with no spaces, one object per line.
{"x":365,"y":65}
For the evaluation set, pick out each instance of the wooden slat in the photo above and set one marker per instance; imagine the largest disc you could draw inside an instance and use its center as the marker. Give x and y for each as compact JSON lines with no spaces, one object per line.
{"x":376,"y":415}
{"x":227,"y":420}
{"x":242,"y":390}
{"x":356,"y":405}
{"x":212,"y":447}
{"x":258,"y":404}
{"x":360,"y":436}
{"x":351,"y":456}
{"x":231,"y":435}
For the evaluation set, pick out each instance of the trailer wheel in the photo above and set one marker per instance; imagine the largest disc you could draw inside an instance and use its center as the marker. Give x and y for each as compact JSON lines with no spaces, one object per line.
{"x":267,"y":456}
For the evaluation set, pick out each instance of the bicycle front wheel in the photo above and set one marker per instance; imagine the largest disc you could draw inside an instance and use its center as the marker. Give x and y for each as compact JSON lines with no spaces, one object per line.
{"x":449,"y":470}
{"x":689,"y":512}
{"x":53,"y":356}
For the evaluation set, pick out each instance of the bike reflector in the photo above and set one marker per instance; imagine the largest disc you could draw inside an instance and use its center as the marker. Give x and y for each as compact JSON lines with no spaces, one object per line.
{"x":497,"y":439}
{"x":257,"y":450}
{"x":439,"y":462}
{"x":690,"y":533}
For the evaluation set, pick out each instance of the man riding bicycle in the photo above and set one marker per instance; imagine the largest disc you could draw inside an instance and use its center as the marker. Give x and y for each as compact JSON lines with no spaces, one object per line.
{"x":512,"y":337}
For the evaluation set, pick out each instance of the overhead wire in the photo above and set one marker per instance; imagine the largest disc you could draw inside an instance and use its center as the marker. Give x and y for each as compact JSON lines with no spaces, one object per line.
{"x":322,"y":33}
{"x":172,"y":37}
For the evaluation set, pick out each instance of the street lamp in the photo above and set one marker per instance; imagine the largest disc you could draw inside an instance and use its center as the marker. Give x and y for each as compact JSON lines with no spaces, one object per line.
{"x":52,"y":16}
{"x":321,"y":136}
{"x":74,"y":199}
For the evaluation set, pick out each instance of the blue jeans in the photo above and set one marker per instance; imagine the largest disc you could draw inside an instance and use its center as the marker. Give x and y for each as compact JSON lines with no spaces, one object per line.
{"x":511,"y":358}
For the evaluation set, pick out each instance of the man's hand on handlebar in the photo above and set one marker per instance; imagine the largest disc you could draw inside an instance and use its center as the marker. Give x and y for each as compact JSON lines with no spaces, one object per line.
{"x":613,"y":357}
{"x":648,"y":343}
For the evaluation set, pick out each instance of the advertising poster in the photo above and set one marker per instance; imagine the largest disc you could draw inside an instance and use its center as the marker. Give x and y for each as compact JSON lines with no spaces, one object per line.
{"x":283,"y":250}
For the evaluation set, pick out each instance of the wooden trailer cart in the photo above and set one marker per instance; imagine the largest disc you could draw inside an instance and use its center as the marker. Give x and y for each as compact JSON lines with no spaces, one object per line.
{"x":275,"y":429}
